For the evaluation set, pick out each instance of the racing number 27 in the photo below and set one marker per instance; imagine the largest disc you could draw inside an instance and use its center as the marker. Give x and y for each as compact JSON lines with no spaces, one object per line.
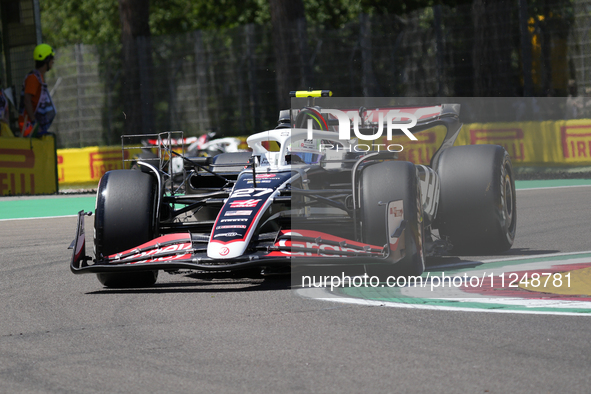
{"x":250,"y":192}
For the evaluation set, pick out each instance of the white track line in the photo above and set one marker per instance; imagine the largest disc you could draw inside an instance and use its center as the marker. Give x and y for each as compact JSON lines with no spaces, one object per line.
{"x":549,"y":187}
{"x":39,"y":217}
{"x":324,"y":295}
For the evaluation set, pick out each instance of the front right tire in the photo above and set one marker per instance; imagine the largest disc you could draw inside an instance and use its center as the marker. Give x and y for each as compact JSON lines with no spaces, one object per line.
{"x":125,"y":218}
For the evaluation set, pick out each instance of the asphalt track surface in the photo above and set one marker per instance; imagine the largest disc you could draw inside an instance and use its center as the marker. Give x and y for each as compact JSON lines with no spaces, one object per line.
{"x":67,"y":334}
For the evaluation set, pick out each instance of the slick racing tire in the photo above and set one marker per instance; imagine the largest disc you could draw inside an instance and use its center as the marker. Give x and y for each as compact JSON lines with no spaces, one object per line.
{"x":381,"y":183}
{"x":125,"y":218}
{"x":477,"y":206}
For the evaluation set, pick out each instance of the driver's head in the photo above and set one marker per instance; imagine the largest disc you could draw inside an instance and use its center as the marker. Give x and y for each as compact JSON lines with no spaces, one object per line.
{"x":312,"y":114}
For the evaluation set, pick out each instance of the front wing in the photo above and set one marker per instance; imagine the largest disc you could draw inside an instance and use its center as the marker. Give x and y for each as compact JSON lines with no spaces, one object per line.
{"x":281,"y":249}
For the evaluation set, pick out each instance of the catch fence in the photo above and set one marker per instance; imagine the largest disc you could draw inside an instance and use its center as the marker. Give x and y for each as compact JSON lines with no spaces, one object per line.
{"x":225,"y":80}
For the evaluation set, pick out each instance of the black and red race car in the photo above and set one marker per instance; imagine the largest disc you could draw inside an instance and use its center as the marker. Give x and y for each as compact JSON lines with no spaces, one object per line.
{"x":304,"y":197}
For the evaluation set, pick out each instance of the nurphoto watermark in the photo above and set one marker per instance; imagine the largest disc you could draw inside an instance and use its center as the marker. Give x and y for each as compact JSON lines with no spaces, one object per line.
{"x":393,"y":121}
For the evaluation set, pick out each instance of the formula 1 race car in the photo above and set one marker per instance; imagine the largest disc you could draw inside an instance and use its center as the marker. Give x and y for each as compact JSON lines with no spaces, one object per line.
{"x":305,"y":196}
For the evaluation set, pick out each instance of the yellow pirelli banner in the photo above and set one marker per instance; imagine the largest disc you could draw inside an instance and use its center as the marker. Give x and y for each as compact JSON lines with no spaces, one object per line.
{"x":550,"y":143}
{"x":536,"y":143}
{"x":88,"y":165}
{"x":27,"y":166}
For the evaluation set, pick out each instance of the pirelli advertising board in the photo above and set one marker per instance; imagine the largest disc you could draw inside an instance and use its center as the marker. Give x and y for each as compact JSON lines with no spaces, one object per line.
{"x":27,"y":166}
{"x":536,"y":143}
{"x":547,"y":143}
{"x":88,"y":165}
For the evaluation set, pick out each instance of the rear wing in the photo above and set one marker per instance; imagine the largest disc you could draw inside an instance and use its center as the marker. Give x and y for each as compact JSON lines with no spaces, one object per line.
{"x":367,"y":119}
{"x":427,"y":117}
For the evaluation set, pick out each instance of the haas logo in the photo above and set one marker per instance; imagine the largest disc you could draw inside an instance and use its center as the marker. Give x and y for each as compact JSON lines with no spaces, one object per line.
{"x":244,"y":203}
{"x":224,"y":251}
{"x":396,"y":212}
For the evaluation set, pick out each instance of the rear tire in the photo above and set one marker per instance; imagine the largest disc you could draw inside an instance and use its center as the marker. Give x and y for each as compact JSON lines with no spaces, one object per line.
{"x":477,"y":209}
{"x":125,"y":218}
{"x":380,"y":184}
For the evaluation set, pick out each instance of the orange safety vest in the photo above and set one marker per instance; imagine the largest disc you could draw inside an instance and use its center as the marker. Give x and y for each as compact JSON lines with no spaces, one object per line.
{"x":44,"y":112}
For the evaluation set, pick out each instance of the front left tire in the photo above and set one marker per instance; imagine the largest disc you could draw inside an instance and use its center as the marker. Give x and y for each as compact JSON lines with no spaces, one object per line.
{"x":382,"y":183}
